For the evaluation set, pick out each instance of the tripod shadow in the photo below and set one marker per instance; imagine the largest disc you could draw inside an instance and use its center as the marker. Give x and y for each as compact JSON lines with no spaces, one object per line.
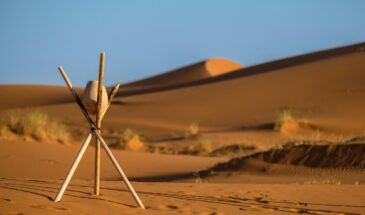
{"x":40,"y":190}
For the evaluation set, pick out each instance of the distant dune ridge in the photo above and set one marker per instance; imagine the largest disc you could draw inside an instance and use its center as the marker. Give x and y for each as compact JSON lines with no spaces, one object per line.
{"x":192,"y":73}
{"x":23,"y":96}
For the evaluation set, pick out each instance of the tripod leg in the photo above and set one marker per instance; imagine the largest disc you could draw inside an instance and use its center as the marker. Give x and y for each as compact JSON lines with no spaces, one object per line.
{"x":98,"y":123}
{"x":97,"y":168}
{"x":115,"y":162}
{"x":73,"y":167}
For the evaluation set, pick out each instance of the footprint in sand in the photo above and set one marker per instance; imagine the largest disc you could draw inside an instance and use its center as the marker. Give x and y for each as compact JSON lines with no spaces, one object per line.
{"x":261,"y":200}
{"x":15,"y":213}
{"x":259,"y":208}
{"x":167,"y":207}
{"x":189,"y":193}
{"x":211,"y":213}
{"x":44,"y":207}
{"x":5,"y":200}
{"x":50,"y":161}
{"x":173,"y":207}
{"x":298,"y":210}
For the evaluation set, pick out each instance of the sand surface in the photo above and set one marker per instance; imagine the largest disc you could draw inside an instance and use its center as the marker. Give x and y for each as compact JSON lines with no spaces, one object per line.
{"x":35,"y":197}
{"x":30,"y":177}
{"x":52,"y":161}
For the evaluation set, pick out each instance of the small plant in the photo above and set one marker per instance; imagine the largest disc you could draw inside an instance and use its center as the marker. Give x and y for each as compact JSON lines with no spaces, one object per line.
{"x":193,"y":130}
{"x":33,"y":124}
{"x":129,"y":134}
{"x":290,"y":145}
{"x":197,"y":178}
{"x":283,"y":118}
{"x":204,"y":146}
{"x":5,"y":132}
{"x":130,"y":140}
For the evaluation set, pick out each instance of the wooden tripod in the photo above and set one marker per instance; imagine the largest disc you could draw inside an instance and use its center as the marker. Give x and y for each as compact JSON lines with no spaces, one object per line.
{"x":95,"y":129}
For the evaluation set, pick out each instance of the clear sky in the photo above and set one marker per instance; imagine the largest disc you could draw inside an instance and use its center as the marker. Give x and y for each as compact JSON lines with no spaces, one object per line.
{"x":142,"y":38}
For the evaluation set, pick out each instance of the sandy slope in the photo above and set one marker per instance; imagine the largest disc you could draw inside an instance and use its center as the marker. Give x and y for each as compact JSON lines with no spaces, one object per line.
{"x":192,"y":73}
{"x":327,"y":92}
{"x":23,"y":96}
{"x":52,"y":161}
{"x":305,"y":164}
{"x":326,"y":89}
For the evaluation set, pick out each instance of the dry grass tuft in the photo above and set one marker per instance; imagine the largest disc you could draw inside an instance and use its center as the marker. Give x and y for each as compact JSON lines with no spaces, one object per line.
{"x":203,"y":146}
{"x":130,"y":140}
{"x":193,"y":131}
{"x":283,"y":118}
{"x":286,"y":123}
{"x":33,"y":125}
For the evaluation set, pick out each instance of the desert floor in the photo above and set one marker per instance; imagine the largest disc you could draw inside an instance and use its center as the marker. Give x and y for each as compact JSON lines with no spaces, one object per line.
{"x":27,"y":196}
{"x":33,"y":180}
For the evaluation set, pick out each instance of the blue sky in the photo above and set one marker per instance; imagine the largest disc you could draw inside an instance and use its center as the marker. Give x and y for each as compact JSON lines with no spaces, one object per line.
{"x":142,"y":38}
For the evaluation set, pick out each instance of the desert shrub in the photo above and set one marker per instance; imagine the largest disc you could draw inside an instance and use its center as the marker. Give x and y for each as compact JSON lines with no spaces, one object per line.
{"x":283,"y":118}
{"x":128,"y":134}
{"x":130,"y":139}
{"x":33,"y":124}
{"x":5,"y":133}
{"x":197,"y":178}
{"x":193,"y":130}
{"x":203,"y":145}
{"x":360,"y":137}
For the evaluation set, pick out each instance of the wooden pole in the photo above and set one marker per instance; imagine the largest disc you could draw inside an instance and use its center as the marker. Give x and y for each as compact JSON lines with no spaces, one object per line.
{"x":76,"y":96}
{"x":98,"y":124}
{"x":73,"y":167}
{"x":115,"y":162}
{"x":110,"y":97}
{"x":112,"y":93}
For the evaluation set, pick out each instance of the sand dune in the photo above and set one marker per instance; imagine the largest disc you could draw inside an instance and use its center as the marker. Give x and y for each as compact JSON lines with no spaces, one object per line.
{"x":24,"y":96}
{"x":185,"y":75}
{"x":324,"y":88}
{"x":263,"y":68}
{"x":327,"y":92}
